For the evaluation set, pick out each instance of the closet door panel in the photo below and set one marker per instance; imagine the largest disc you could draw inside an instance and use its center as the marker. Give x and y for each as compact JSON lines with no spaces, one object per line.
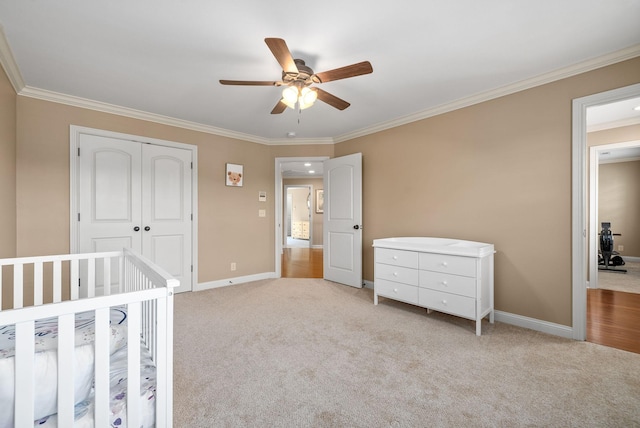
{"x":166,"y":184}
{"x":109,"y":193}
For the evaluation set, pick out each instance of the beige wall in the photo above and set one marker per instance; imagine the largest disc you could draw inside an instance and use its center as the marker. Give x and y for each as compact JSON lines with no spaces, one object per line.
{"x":229,"y":227}
{"x":316,"y":218}
{"x":619,"y":203}
{"x":7,"y":167}
{"x":498,"y":172}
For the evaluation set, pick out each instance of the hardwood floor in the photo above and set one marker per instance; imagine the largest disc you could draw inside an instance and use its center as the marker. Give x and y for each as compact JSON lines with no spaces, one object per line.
{"x":302,"y":263}
{"x":613,"y":319}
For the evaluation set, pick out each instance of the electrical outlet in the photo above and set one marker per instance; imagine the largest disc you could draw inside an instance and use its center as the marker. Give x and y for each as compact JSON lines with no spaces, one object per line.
{"x":233,"y":266}
{"x":620,"y":247}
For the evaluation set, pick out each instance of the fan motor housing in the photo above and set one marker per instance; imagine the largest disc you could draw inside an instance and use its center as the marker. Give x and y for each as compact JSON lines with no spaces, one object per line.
{"x":304,"y":76}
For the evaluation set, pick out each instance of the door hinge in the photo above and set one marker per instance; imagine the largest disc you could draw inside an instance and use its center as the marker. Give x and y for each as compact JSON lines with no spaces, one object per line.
{"x":78,"y":216}
{"x":78,"y":151}
{"x":78,"y":282}
{"x":191,"y":216}
{"x":191,"y":165}
{"x":191,"y":268}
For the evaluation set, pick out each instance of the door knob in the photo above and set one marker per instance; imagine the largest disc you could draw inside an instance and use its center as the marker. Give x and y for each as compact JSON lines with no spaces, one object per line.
{"x":147,"y":228}
{"x":136,"y":229}
{"x":356,"y":227}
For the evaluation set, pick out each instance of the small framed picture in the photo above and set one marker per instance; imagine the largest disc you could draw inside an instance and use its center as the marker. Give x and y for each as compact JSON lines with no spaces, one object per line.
{"x":320,"y":201}
{"x":234,"y":176}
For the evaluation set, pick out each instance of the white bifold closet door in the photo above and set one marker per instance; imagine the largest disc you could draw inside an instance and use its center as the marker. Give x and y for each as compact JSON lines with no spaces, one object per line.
{"x":138,"y":196}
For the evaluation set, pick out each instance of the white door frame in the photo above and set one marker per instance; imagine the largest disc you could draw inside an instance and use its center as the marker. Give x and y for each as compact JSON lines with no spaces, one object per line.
{"x":278,"y":204}
{"x":74,"y":145}
{"x":579,"y":203}
{"x":594,"y":171}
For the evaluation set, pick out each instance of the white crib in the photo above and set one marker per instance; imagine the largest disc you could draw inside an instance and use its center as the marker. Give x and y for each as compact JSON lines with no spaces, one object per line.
{"x":48,"y":288}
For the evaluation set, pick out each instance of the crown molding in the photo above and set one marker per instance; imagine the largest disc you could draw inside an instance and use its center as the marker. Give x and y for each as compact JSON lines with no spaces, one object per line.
{"x":563,"y":73}
{"x":10,"y":67}
{"x":615,"y":124}
{"x":56,"y":97}
{"x":9,"y":64}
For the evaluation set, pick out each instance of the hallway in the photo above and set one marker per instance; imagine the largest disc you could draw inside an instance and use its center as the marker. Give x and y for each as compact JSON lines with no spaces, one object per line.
{"x":302,"y":263}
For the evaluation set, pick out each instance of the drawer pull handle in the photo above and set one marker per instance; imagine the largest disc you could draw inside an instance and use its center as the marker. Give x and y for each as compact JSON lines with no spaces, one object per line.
{"x":444,"y":302}
{"x":395,"y":290}
{"x":395,"y":274}
{"x":395,"y":257}
{"x":444,"y":283}
{"x":444,"y":264}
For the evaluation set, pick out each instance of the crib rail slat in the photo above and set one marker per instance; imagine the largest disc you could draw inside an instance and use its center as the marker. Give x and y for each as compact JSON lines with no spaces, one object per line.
{"x":66,"y":381}
{"x":91,"y":277}
{"x":37,"y":284}
{"x":107,"y":276}
{"x":133,"y":365}
{"x":24,"y":383}
{"x":57,"y":281}
{"x":18,"y":290}
{"x":102,"y":369}
{"x":74,"y":291}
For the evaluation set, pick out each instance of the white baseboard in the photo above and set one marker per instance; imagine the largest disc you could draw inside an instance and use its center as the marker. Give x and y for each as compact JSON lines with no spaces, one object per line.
{"x":534,"y":324}
{"x":631,"y":259}
{"x":231,"y":281}
{"x":522,"y":321}
{"x":500,"y":316}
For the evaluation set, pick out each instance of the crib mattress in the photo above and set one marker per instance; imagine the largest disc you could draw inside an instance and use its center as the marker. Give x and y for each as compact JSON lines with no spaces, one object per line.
{"x":84,"y":411}
{"x":46,"y":361}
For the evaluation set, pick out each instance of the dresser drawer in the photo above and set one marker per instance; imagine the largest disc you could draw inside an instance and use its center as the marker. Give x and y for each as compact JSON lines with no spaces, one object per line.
{"x":396,"y":274}
{"x":465,"y":266}
{"x":396,"y":291}
{"x":462,"y":285}
{"x":396,"y":257}
{"x":450,"y":303}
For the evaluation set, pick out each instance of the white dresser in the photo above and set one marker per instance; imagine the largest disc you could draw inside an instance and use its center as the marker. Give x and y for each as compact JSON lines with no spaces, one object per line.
{"x":446,"y":275}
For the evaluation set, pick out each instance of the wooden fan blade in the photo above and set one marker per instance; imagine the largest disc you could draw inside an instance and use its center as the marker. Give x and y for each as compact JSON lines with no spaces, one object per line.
{"x":250,"y":82}
{"x":279,"y":108}
{"x":352,"y":70}
{"x":280,"y":50}
{"x":332,"y":100}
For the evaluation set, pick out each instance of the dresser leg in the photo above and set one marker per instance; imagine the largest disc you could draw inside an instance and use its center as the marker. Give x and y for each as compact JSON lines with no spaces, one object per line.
{"x":375,"y":299}
{"x":478,"y":327}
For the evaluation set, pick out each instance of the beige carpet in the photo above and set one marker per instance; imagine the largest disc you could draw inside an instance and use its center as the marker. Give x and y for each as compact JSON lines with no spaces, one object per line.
{"x":628,"y":282}
{"x":311,"y":353}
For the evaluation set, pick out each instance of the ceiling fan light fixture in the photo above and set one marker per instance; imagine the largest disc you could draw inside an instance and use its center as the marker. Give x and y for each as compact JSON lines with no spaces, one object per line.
{"x":290,"y":93}
{"x":308,"y":96}
{"x":288,"y":103}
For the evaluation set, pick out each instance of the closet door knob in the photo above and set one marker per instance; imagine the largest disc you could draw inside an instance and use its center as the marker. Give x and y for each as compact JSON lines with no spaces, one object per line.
{"x":136,"y":229}
{"x":147,"y":228}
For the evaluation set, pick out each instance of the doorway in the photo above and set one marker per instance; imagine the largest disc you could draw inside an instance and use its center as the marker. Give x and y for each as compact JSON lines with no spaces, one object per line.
{"x":580,"y":230}
{"x":298,"y":262}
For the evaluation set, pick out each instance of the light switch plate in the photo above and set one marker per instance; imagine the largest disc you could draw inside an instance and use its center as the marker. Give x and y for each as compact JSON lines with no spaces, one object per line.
{"x":262,"y":213}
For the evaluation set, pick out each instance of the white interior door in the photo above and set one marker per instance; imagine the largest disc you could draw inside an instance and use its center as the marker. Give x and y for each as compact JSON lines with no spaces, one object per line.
{"x":137,"y":196}
{"x":343,"y":220}
{"x":166,"y":210}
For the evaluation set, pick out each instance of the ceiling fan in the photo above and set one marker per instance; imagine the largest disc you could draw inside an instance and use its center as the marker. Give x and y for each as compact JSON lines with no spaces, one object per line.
{"x":298,"y":78}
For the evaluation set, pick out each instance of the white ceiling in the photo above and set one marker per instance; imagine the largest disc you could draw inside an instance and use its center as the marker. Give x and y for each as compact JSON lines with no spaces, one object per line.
{"x":165,"y":57}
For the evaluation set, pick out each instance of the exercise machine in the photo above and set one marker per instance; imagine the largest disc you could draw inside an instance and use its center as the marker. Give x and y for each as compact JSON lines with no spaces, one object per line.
{"x":608,"y":258}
